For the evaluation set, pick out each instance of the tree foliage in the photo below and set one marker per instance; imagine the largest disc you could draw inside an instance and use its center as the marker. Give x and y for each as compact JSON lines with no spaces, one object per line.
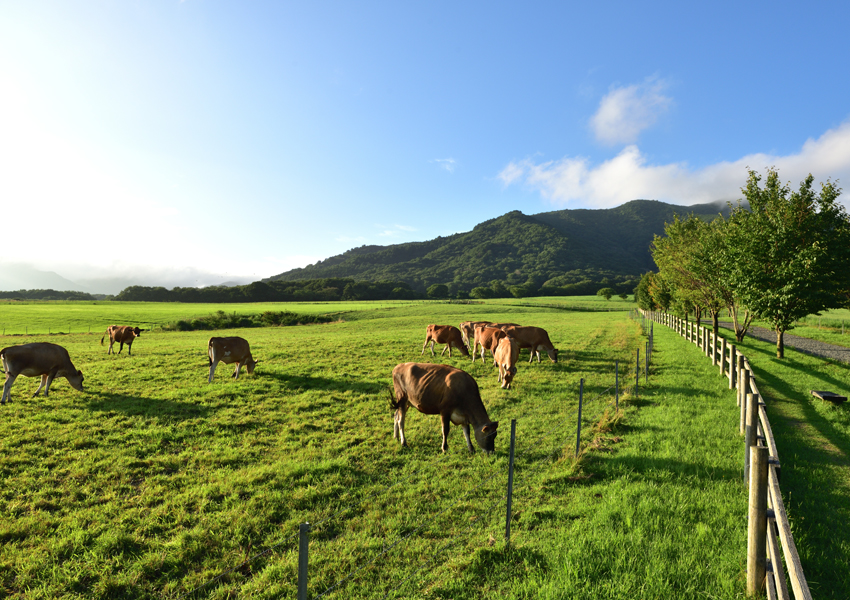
{"x":789,"y":250}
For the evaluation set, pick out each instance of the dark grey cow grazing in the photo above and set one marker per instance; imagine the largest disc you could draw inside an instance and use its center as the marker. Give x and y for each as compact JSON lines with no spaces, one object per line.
{"x":40,"y":359}
{"x":442,"y":390}
{"x":230,"y":350}
{"x":123,"y":334}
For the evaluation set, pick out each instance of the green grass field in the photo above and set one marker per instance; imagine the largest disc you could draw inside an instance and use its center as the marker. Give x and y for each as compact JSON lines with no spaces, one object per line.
{"x":154,"y":483}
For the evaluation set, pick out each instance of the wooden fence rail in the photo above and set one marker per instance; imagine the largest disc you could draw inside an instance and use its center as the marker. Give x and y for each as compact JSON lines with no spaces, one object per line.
{"x":765,"y":567}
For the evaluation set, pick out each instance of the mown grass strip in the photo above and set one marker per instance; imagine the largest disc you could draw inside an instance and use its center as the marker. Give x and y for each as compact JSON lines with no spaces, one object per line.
{"x":813,"y":442}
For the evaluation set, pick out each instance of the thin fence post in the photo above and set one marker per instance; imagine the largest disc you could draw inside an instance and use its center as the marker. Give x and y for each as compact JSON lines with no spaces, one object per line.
{"x":723,"y":356}
{"x":637,"y":372}
{"x":757,"y":527}
{"x":646,"y":364}
{"x":510,"y":482}
{"x":578,"y":429}
{"x":617,"y":384}
{"x":303,"y":544}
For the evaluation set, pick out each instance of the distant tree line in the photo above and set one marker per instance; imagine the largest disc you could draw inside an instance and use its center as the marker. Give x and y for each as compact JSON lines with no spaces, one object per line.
{"x":48,"y":295}
{"x":331,"y":289}
{"x":784,"y":257}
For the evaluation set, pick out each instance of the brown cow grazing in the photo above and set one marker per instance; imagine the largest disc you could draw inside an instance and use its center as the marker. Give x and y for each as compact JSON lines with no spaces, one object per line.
{"x":123,"y":334}
{"x":486,"y":338}
{"x":467,"y":330}
{"x":533,"y":338}
{"x":39,"y":359}
{"x":444,"y":334}
{"x":506,"y":355}
{"x":230,"y":350}
{"x":442,"y":390}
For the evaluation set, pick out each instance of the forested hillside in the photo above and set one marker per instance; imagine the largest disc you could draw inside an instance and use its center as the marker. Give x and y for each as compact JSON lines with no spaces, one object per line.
{"x":559,"y":252}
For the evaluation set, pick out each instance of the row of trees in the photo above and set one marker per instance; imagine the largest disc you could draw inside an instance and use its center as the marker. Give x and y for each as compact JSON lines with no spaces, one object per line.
{"x":780,"y":256}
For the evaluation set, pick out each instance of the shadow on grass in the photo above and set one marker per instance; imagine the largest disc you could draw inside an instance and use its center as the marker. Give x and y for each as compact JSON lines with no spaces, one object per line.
{"x":324,"y":383}
{"x":148,"y":407}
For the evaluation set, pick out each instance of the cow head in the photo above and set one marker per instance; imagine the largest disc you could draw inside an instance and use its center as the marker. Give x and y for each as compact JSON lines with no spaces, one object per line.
{"x":510,"y":373}
{"x":137,"y":332}
{"x":486,"y":436}
{"x":250,"y":364}
{"x":76,"y":380}
{"x":553,"y":354}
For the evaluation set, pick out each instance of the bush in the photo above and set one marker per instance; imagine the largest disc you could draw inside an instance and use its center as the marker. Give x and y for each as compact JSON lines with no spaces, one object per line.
{"x":221,"y":320}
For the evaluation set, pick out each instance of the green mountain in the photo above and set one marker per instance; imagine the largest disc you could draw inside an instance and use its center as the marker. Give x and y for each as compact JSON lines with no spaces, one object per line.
{"x":560,"y":251}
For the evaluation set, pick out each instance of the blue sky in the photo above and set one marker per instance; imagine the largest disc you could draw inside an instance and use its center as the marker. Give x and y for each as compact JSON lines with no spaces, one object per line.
{"x":191,"y":142}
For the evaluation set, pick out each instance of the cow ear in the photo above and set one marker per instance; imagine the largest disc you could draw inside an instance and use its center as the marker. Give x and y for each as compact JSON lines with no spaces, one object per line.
{"x":490,"y":427}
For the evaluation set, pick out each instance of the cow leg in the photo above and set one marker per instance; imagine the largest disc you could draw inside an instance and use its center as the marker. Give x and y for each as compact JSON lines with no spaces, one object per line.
{"x":110,"y":351}
{"x":447,"y":423}
{"x":120,"y":347}
{"x":213,"y":365}
{"x":398,"y":426}
{"x":449,"y":348}
{"x":50,"y":377}
{"x":466,"y":435}
{"x":7,"y":387}
{"x":129,"y":347}
{"x":236,"y":372}
{"x":41,"y":385}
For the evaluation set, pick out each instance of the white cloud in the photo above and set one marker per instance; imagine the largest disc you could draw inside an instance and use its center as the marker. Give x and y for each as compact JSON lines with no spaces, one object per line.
{"x":395,"y":230}
{"x":626,"y":111}
{"x":629,"y":176}
{"x":449,"y":164}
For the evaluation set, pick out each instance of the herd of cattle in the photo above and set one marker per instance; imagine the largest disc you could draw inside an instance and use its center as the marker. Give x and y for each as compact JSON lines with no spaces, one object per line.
{"x":433,"y":389}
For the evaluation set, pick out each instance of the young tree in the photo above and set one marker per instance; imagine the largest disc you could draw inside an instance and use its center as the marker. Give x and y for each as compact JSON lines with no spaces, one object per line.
{"x":789,"y":253}
{"x":438,"y":290}
{"x":606,"y":293}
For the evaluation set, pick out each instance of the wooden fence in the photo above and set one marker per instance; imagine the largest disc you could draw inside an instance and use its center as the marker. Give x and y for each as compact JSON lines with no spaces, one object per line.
{"x":768,"y":520}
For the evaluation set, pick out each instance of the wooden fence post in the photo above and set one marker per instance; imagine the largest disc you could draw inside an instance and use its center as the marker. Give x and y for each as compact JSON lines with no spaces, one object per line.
{"x":757,"y":529}
{"x":751,"y":433}
{"x":732,"y":364}
{"x":712,"y":341}
{"x":723,"y":356}
{"x":743,"y":391}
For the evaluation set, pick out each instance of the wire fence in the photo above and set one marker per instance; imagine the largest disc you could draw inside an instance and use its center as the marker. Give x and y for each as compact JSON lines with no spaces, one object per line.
{"x":530,"y":454}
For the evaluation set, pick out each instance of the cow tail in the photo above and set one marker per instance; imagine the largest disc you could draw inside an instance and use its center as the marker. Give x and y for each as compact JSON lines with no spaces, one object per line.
{"x":103,"y":338}
{"x":394,"y":404}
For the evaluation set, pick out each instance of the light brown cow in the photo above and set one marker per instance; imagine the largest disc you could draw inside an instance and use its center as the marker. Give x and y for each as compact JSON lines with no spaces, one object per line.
{"x":486,"y":338}
{"x":123,"y":334}
{"x":467,"y":330}
{"x":506,"y":355}
{"x":444,"y":334}
{"x":230,"y":350}
{"x":533,"y":338}
{"x":442,"y":390}
{"x":39,"y":359}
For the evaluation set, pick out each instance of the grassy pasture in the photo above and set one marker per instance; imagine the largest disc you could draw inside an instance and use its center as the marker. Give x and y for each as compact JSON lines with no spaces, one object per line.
{"x":17,"y":318}
{"x":153,"y":483}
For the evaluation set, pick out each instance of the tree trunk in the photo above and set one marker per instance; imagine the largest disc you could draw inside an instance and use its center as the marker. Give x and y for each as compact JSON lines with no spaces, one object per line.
{"x":780,"y":344}
{"x":715,"y":323}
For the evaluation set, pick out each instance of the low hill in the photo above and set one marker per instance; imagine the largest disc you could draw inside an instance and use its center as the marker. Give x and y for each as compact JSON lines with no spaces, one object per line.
{"x":565,"y":251}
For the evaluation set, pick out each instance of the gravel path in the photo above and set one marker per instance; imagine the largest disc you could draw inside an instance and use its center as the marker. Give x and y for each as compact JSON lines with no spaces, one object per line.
{"x":809,"y":346}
